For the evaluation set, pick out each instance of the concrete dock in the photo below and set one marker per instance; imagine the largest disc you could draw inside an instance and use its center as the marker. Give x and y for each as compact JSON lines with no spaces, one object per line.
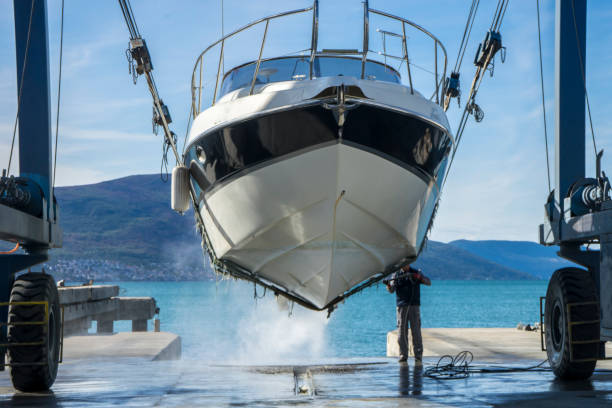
{"x":82,"y":305}
{"x":123,"y":379}
{"x":487,"y":344}
{"x":146,"y":345}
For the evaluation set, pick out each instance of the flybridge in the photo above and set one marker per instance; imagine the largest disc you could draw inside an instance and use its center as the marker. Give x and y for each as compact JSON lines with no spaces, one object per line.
{"x":311,"y":57}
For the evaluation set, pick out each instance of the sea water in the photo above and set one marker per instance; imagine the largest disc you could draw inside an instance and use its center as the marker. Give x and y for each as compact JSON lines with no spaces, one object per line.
{"x":223,"y":321}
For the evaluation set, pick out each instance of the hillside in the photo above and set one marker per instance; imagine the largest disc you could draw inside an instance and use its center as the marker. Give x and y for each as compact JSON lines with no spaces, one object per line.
{"x":124,"y":229}
{"x":122,"y":219}
{"x":447,"y":261}
{"x":529,"y":257}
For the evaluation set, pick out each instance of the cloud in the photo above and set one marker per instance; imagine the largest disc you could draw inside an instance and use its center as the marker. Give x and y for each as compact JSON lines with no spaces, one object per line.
{"x":72,"y":176}
{"x":85,"y":54}
{"x":102,"y":135}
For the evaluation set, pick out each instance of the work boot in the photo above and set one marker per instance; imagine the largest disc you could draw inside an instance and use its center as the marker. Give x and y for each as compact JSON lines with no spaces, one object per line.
{"x":402,"y":359}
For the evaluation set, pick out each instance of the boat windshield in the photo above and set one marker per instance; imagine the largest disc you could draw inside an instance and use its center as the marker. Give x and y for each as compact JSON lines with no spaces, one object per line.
{"x":297,"y":69}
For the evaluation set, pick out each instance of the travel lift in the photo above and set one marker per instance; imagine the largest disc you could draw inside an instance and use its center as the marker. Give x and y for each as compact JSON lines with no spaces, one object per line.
{"x":30,"y":317}
{"x":578,"y":304}
{"x":578,"y":309}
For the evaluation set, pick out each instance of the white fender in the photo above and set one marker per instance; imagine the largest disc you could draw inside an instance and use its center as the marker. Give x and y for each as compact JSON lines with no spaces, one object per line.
{"x":180,"y":189}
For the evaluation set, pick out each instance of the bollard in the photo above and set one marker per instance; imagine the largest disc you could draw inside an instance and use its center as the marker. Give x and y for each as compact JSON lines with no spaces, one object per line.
{"x":157,"y":325}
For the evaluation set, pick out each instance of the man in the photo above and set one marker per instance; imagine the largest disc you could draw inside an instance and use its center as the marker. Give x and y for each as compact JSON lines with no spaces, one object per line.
{"x":406,"y":283}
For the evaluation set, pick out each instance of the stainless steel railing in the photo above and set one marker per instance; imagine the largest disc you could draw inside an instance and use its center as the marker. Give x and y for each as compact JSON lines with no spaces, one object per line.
{"x":197,"y":74}
{"x":437,"y":44}
{"x":199,"y":65}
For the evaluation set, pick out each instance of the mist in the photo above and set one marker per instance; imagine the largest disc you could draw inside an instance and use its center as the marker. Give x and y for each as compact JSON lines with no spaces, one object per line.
{"x":269,"y":334}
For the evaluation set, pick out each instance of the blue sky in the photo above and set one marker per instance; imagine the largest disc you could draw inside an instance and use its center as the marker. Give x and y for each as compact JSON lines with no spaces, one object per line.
{"x":497,"y":187}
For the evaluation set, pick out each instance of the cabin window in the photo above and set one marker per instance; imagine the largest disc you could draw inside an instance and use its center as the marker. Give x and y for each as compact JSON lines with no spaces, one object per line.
{"x":298,"y":69}
{"x":405,"y":140}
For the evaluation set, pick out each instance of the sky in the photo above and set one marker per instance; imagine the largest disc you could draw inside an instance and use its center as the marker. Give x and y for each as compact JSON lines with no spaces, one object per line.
{"x":497,"y":187}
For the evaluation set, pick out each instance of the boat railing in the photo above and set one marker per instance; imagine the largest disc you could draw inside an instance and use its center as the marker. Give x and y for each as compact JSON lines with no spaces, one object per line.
{"x":438,"y":79}
{"x":439,"y":69}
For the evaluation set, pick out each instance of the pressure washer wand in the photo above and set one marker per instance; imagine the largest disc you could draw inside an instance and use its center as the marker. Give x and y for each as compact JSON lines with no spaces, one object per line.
{"x":411,"y":274}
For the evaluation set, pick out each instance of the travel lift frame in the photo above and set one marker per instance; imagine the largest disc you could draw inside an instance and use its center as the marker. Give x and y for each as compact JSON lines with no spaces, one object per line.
{"x":30,"y":316}
{"x":578,"y":310}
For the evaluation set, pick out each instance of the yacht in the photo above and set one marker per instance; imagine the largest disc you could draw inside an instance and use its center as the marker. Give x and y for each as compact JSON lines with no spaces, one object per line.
{"x":317,"y":175}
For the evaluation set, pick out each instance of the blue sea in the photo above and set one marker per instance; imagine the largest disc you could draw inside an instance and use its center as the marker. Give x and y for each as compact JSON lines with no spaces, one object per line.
{"x":223,"y":322}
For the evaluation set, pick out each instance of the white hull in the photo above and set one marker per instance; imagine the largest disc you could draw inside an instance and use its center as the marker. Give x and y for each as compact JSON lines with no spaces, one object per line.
{"x":289,"y":223}
{"x":273,"y":166}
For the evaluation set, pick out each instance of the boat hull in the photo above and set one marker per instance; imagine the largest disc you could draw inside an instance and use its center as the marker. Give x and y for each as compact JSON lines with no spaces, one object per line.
{"x":314,"y":208}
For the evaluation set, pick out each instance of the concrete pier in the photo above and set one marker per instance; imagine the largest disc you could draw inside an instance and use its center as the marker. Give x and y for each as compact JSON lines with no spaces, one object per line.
{"x":486,"y":344}
{"x":100,"y":303}
{"x":145,"y":345}
{"x":84,"y":304}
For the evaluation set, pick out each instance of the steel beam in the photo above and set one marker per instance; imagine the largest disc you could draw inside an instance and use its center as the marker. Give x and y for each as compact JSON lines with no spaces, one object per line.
{"x":32,"y":51}
{"x":30,"y":231}
{"x":570,"y":49}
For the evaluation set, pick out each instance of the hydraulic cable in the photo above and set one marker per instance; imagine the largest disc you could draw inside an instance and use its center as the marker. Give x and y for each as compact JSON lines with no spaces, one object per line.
{"x":500,"y":12}
{"x":484,"y":62}
{"x":126,"y":8}
{"x":25,"y":63}
{"x":498,"y":27}
{"x":59,"y":93}
{"x":586,"y":94}
{"x":543,"y":97}
{"x":139,"y":55}
{"x":452,"y":85}
{"x":466,"y":34}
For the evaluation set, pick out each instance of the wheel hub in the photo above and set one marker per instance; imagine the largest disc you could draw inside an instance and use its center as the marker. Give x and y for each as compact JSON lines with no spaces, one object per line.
{"x":557,"y":326}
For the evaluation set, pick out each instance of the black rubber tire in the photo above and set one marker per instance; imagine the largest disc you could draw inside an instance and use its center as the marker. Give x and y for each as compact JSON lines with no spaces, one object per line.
{"x":571,"y":285}
{"x":27,"y":288}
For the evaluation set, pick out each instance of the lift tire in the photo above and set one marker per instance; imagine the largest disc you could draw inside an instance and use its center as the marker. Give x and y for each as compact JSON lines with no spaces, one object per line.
{"x":26,"y":377}
{"x":571,"y":285}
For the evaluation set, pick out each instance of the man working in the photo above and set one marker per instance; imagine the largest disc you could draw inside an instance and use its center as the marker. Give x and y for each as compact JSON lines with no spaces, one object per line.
{"x":406,"y":283}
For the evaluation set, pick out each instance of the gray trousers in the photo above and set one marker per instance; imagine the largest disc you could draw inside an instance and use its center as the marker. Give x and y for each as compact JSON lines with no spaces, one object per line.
{"x":409,"y":315}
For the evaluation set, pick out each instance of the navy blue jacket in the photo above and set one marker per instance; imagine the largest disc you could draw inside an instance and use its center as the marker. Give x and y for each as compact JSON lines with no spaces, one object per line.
{"x":407,"y":291}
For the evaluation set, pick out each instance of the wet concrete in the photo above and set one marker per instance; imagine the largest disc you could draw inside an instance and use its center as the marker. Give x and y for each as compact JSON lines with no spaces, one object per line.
{"x":487,"y":344}
{"x":135,"y":382}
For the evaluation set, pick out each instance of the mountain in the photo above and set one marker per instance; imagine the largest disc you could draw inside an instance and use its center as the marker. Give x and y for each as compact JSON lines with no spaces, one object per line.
{"x":529,"y":257}
{"x":447,"y":261}
{"x":124,"y":229}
